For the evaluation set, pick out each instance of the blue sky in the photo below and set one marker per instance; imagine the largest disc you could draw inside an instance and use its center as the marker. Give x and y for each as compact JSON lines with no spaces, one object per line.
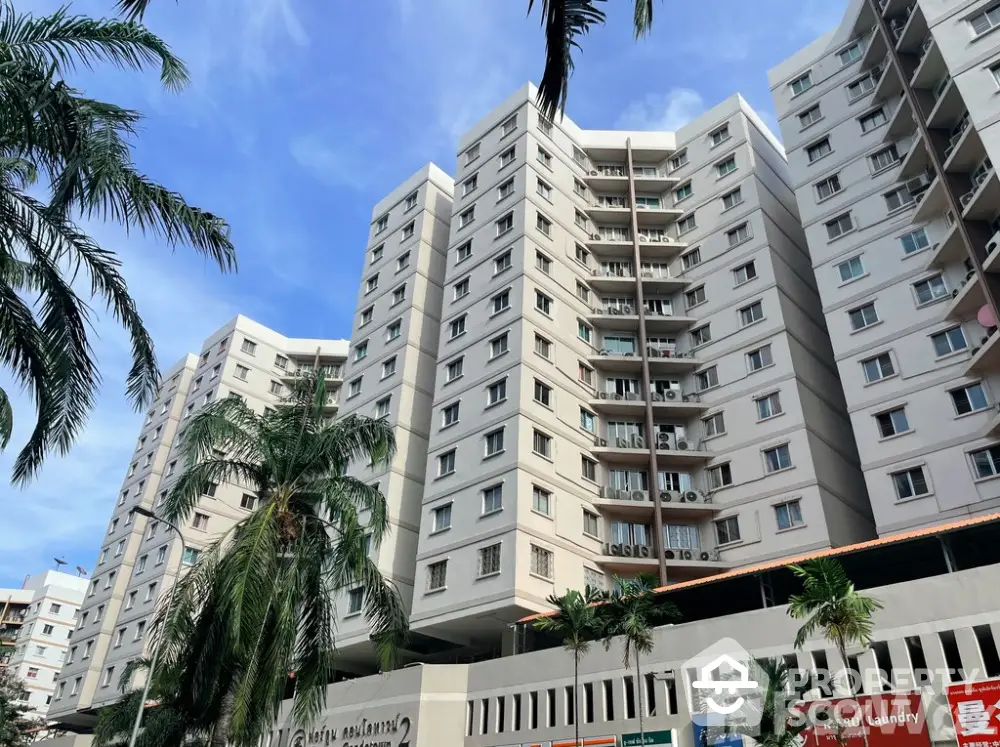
{"x":300,"y":116}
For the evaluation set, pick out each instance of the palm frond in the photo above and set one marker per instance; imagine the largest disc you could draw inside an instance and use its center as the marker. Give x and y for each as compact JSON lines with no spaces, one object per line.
{"x":6,"y":419}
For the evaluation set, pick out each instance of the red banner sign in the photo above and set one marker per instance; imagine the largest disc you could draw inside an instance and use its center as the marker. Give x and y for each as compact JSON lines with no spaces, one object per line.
{"x":975,"y":708}
{"x":890,"y":720}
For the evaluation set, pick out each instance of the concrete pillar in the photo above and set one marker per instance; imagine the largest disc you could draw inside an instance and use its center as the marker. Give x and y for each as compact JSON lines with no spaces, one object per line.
{"x":972,"y":660}
{"x":934,"y":654}
{"x":869,"y":673}
{"x":902,"y":668}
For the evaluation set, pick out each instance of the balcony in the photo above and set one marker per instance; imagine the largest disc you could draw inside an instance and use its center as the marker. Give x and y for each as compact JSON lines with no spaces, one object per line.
{"x":682,"y":564}
{"x":931,"y":68}
{"x":916,"y":161}
{"x":965,"y":151}
{"x":980,"y":203}
{"x":613,"y":178}
{"x":932,"y":204}
{"x":680,"y":405}
{"x":948,"y":108}
{"x":654,"y":281}
{"x":653,"y":245}
{"x":892,"y":8}
{"x":915,"y":37}
{"x":889,"y":83}
{"x":635,"y":452}
{"x":949,"y":250}
{"x":992,"y":261}
{"x":901,"y":123}
{"x":661,"y":361}
{"x":624,"y":318}
{"x":638,"y":504}
{"x":330,"y":373}
{"x":966,"y":299}
{"x":985,"y":357}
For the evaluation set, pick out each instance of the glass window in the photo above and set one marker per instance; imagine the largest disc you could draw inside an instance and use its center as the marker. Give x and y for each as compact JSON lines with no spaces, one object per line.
{"x":863,"y":316}
{"x":914,"y":241}
{"x":910,"y":483}
{"x":727,"y":530}
{"x":949,"y":341}
{"x":878,"y":368}
{"x":851,"y":269}
{"x":788,"y":515}
{"x":777,"y":458}
{"x":970,"y":398}
{"x":892,"y":422}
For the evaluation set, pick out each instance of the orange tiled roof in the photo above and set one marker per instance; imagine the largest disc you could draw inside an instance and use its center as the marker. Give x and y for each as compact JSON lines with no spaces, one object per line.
{"x":829,"y":552}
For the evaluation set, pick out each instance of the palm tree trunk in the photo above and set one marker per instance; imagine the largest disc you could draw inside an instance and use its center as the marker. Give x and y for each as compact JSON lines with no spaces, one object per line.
{"x":841,"y":645}
{"x":221,"y":729}
{"x":576,"y":699}
{"x":639,"y":684}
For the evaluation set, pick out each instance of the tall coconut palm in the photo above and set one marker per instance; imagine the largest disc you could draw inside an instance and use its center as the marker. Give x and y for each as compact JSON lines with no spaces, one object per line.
{"x":564,"y":22}
{"x":260,"y":602}
{"x":64,"y":155}
{"x":631,"y":613}
{"x":577,"y":624}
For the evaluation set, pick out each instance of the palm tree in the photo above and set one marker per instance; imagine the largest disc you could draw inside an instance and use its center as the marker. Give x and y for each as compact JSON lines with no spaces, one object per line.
{"x":632,"y":612}
{"x":576,"y":622}
{"x":77,"y":151}
{"x":564,"y":22}
{"x":259,"y":603}
{"x":829,"y":604}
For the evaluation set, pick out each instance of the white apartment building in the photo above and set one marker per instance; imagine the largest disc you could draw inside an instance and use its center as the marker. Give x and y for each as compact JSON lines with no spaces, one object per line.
{"x":44,"y":611}
{"x":139,"y":557}
{"x":910,"y":304}
{"x":390,"y":373}
{"x":616,"y":305}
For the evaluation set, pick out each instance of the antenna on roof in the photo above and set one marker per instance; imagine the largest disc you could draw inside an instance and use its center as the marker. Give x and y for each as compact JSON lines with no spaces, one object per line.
{"x":60,"y":562}
{"x":81,"y":571}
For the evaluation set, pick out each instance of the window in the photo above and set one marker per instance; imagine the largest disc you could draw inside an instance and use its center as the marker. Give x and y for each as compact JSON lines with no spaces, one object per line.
{"x":437,"y":575}
{"x":463,"y":252}
{"x":541,"y":500}
{"x":49,"y":629}
{"x":381,"y":224}
{"x":280,"y":362}
{"x":738,"y":235}
{"x":200,"y":521}
{"x":726,"y":167}
{"x":242,"y":372}
{"x":584,"y":331}
{"x":109,"y":675}
{"x":714,"y":425}
{"x":543,"y":189}
{"x":274,"y":387}
{"x":884,"y":158}
{"x":354,"y":388}
{"x":441,"y":517}
{"x":878,"y":368}
{"x":777,"y":459}
{"x":543,"y":393}
{"x":408,"y":231}
{"x":801,"y":84}
{"x":541,"y":444}
{"x":398,"y":295}
{"x":410,"y":202}
{"x":752,"y":313}
{"x":119,"y":637}
{"x":543,"y":347}
{"x":727,"y":530}
{"x":720,"y":476}
{"x":759,"y":358}
{"x":591,"y":524}
{"x":403,"y":262}
{"x":454,"y":370}
{"x":472,"y":154}
{"x":446,"y":463}
{"x":355,"y":601}
{"x":828,"y":187}
{"x":706,"y":379}
{"x":582,"y":255}
{"x":507,"y":157}
{"x":585,"y":374}
{"x":691,"y":259}
{"x":248,"y":502}
{"x":910,"y":483}
{"x":449,"y":414}
{"x":151,"y":592}
{"x":839,"y":226}
{"x":494,"y":442}
{"x":851,"y":269}
{"x":914,"y":241}
{"x":54,"y":608}
{"x":493,"y":499}
{"x":683,"y":192}
{"x":457,"y":327}
{"x":161,"y":555}
{"x":745,"y":273}
{"x":788,"y":515}
{"x":190,"y":556}
{"x":508,"y":125}
{"x":389,"y":367}
{"x":819,"y":149}
{"x":873,"y":119}
{"x":863,"y":316}
{"x":995,"y":72}
{"x":496,"y":393}
{"x":986,"y":21}
{"x":543,"y":263}
{"x":950,"y":341}
{"x":499,"y":346}
{"x":505,"y":224}
{"x":541,"y":562}
{"x":360,"y":351}
{"x":695,"y":296}
{"x":897,"y":199}
{"x":701,"y":335}
{"x":503,"y":262}
{"x":892,"y":422}
{"x":849,"y":54}
{"x":686,"y":224}
{"x":544,"y":158}
{"x":986,"y":462}
{"x":249,"y":347}
{"x":860,"y":87}
{"x":543,"y":303}
{"x":970,"y":398}
{"x":732,"y":199}
{"x":930,"y":289}
{"x":588,"y":469}
{"x":588,"y":421}
{"x":489,"y":560}
{"x":382,"y":407}
{"x":543,"y":224}
{"x":393,"y":330}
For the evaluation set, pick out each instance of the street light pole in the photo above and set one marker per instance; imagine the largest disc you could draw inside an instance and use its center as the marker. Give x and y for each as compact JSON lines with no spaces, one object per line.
{"x":156,"y":644}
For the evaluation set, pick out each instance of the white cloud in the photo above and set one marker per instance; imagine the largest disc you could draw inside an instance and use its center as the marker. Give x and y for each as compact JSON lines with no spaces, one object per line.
{"x":662,"y":111}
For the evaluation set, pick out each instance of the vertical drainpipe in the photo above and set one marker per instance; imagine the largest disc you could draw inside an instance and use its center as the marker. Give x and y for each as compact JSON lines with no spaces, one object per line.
{"x":640,"y":310}
{"x":975,"y":246}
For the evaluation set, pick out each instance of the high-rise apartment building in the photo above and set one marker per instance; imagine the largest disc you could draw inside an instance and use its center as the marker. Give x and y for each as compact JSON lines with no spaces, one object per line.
{"x":633,"y":365}
{"x":139,"y":557}
{"x":38,"y":621}
{"x":892,"y":126}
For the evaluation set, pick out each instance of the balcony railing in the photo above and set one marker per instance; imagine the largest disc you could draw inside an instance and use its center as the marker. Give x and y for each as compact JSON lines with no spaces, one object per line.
{"x":665,"y":441}
{"x":670,"y":395}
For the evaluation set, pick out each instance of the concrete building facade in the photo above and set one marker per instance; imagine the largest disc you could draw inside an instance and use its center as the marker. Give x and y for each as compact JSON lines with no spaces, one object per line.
{"x":44,"y":614}
{"x":910,"y":304}
{"x":140,"y":558}
{"x":616,"y":305}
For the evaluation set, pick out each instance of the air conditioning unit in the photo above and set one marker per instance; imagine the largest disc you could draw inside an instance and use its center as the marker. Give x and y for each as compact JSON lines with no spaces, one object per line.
{"x":594,"y":172}
{"x":627,"y":310}
{"x":653,"y":353}
{"x":967,"y":197}
{"x":621,"y":443}
{"x":683,"y":445}
{"x":600,"y":442}
{"x":691,"y":496}
{"x":918,"y":184}
{"x":704,"y":556}
{"x":686,"y":554}
{"x":638,"y":495}
{"x":666,"y":496}
{"x":643,"y":237}
{"x":607,"y":492}
{"x":619,"y":397}
{"x":670,"y":394}
{"x":669,"y":554}
{"x":631,"y":396}
{"x":595,"y":236}
{"x":603,"y":395}
{"x":663,"y":441}
{"x":657,"y":397}
{"x":638,"y":442}
{"x":993,"y":243}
